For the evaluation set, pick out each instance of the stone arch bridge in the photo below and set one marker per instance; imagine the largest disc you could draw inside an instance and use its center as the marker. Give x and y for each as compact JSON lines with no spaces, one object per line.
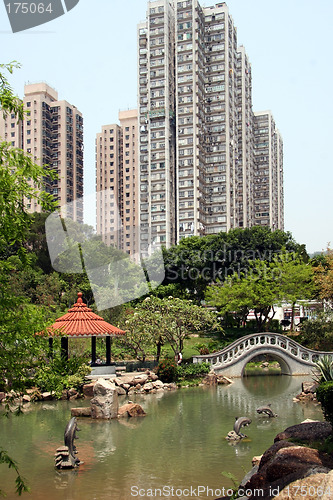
{"x":293,"y":358}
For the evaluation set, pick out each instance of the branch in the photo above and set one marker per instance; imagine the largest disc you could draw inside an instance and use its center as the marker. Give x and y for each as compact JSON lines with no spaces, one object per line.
{"x":21,"y":485}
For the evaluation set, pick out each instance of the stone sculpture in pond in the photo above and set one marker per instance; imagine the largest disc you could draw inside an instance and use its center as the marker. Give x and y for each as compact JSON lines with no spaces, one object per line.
{"x":236,"y":434}
{"x":65,"y":456}
{"x":266,"y":410}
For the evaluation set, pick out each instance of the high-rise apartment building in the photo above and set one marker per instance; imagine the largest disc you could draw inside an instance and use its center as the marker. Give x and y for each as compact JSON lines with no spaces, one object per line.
{"x":196,"y":149}
{"x":117,"y":183}
{"x":52,"y":133}
{"x":268,"y":173}
{"x":245,"y":152}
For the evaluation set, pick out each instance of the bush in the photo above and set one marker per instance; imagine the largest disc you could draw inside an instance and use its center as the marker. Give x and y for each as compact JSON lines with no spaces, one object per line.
{"x":167,"y":370}
{"x":325,"y":397}
{"x":317,"y":333}
{"x":60,"y":374}
{"x":275,"y":326}
{"x":193,"y":370}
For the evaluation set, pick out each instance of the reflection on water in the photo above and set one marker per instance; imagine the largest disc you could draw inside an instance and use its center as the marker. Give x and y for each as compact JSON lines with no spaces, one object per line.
{"x":180,"y":443}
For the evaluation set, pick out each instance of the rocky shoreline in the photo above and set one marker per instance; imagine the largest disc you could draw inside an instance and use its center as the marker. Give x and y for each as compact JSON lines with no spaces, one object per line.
{"x":126,"y":384}
{"x":287,"y":468}
{"x":292,"y":468}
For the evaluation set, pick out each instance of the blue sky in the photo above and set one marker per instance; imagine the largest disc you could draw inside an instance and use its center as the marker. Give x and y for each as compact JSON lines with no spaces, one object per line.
{"x":89,"y":57}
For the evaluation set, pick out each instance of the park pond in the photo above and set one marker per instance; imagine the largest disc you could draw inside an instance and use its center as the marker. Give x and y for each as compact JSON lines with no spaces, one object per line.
{"x":179,"y":444}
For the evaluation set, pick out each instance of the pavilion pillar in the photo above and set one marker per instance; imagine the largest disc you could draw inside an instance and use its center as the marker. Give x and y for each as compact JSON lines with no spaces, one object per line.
{"x":108,"y":350}
{"x":51,"y":347}
{"x":64,"y":348}
{"x":93,"y":350}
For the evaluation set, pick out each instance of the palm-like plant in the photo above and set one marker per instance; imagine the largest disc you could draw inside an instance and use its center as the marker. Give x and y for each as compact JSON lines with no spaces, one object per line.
{"x":325,"y":367}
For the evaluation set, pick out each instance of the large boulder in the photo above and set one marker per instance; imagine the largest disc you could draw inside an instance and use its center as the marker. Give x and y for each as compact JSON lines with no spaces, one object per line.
{"x":148,"y":386}
{"x":131,"y":410}
{"x":121,"y":391}
{"x":81,"y":412}
{"x":210,"y":379}
{"x":308,"y":432}
{"x":140,"y":379}
{"x":88,"y":390}
{"x":282,"y":464}
{"x":104,"y":404}
{"x":309,"y":387}
{"x":314,"y":486}
{"x":158,"y":384}
{"x":48,"y":396}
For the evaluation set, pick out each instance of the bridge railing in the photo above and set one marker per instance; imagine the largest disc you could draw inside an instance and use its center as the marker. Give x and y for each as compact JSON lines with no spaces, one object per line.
{"x":240,"y":347}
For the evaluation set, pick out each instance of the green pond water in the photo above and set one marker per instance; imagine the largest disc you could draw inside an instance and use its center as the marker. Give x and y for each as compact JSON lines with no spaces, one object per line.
{"x":179,"y":444}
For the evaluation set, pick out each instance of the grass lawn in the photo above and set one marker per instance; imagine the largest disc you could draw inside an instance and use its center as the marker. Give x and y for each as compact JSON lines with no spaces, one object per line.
{"x":189,"y":347}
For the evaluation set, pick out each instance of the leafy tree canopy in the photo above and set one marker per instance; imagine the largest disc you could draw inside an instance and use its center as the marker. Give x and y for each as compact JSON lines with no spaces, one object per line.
{"x":198,"y":262}
{"x":261,"y":287}
{"x":156,"y":321}
{"x":323,"y":270}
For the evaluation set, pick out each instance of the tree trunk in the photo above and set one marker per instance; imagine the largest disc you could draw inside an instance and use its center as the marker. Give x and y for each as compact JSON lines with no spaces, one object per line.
{"x":158,"y":349}
{"x":292,"y":316}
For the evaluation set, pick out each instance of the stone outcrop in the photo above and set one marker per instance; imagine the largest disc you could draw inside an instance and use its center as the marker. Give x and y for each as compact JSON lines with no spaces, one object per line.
{"x":88,"y":390}
{"x":308,"y":392}
{"x":314,"y":486}
{"x":143,"y":383}
{"x":307,"y":432}
{"x":104,"y":404}
{"x":309,"y":387}
{"x":286,"y":462}
{"x":213,"y":379}
{"x":131,"y":410}
{"x":81,"y":412}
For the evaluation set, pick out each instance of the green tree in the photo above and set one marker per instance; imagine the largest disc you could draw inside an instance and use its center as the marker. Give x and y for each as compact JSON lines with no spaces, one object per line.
{"x":195,"y":263}
{"x":296,"y":281}
{"x":323,"y":268}
{"x":262,"y":287}
{"x":20,"y":180}
{"x":140,"y":334}
{"x":317,"y":333}
{"x":257,"y":290}
{"x":233,"y":297}
{"x":170,"y":320}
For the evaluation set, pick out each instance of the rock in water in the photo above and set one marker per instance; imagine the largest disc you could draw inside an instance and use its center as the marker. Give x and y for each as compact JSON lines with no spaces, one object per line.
{"x":104,"y":404}
{"x":131,"y":410}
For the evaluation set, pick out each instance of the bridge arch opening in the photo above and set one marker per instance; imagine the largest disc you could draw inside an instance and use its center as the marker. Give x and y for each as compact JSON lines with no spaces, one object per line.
{"x":266,"y":365}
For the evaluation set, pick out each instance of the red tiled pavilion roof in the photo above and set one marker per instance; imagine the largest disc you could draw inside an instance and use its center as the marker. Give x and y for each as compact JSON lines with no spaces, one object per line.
{"x":81,"y":321}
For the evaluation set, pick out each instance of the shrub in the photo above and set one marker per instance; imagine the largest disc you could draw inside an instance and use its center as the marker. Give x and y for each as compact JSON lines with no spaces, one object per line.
{"x":193,"y":370}
{"x":201,"y":348}
{"x":60,"y":374}
{"x":325,"y":367}
{"x":325,"y":397}
{"x":317,"y":333}
{"x":274,"y":326}
{"x":167,"y":370}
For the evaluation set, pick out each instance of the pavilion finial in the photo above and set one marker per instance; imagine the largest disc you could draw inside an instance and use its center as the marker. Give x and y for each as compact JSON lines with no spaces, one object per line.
{"x":79,"y":298}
